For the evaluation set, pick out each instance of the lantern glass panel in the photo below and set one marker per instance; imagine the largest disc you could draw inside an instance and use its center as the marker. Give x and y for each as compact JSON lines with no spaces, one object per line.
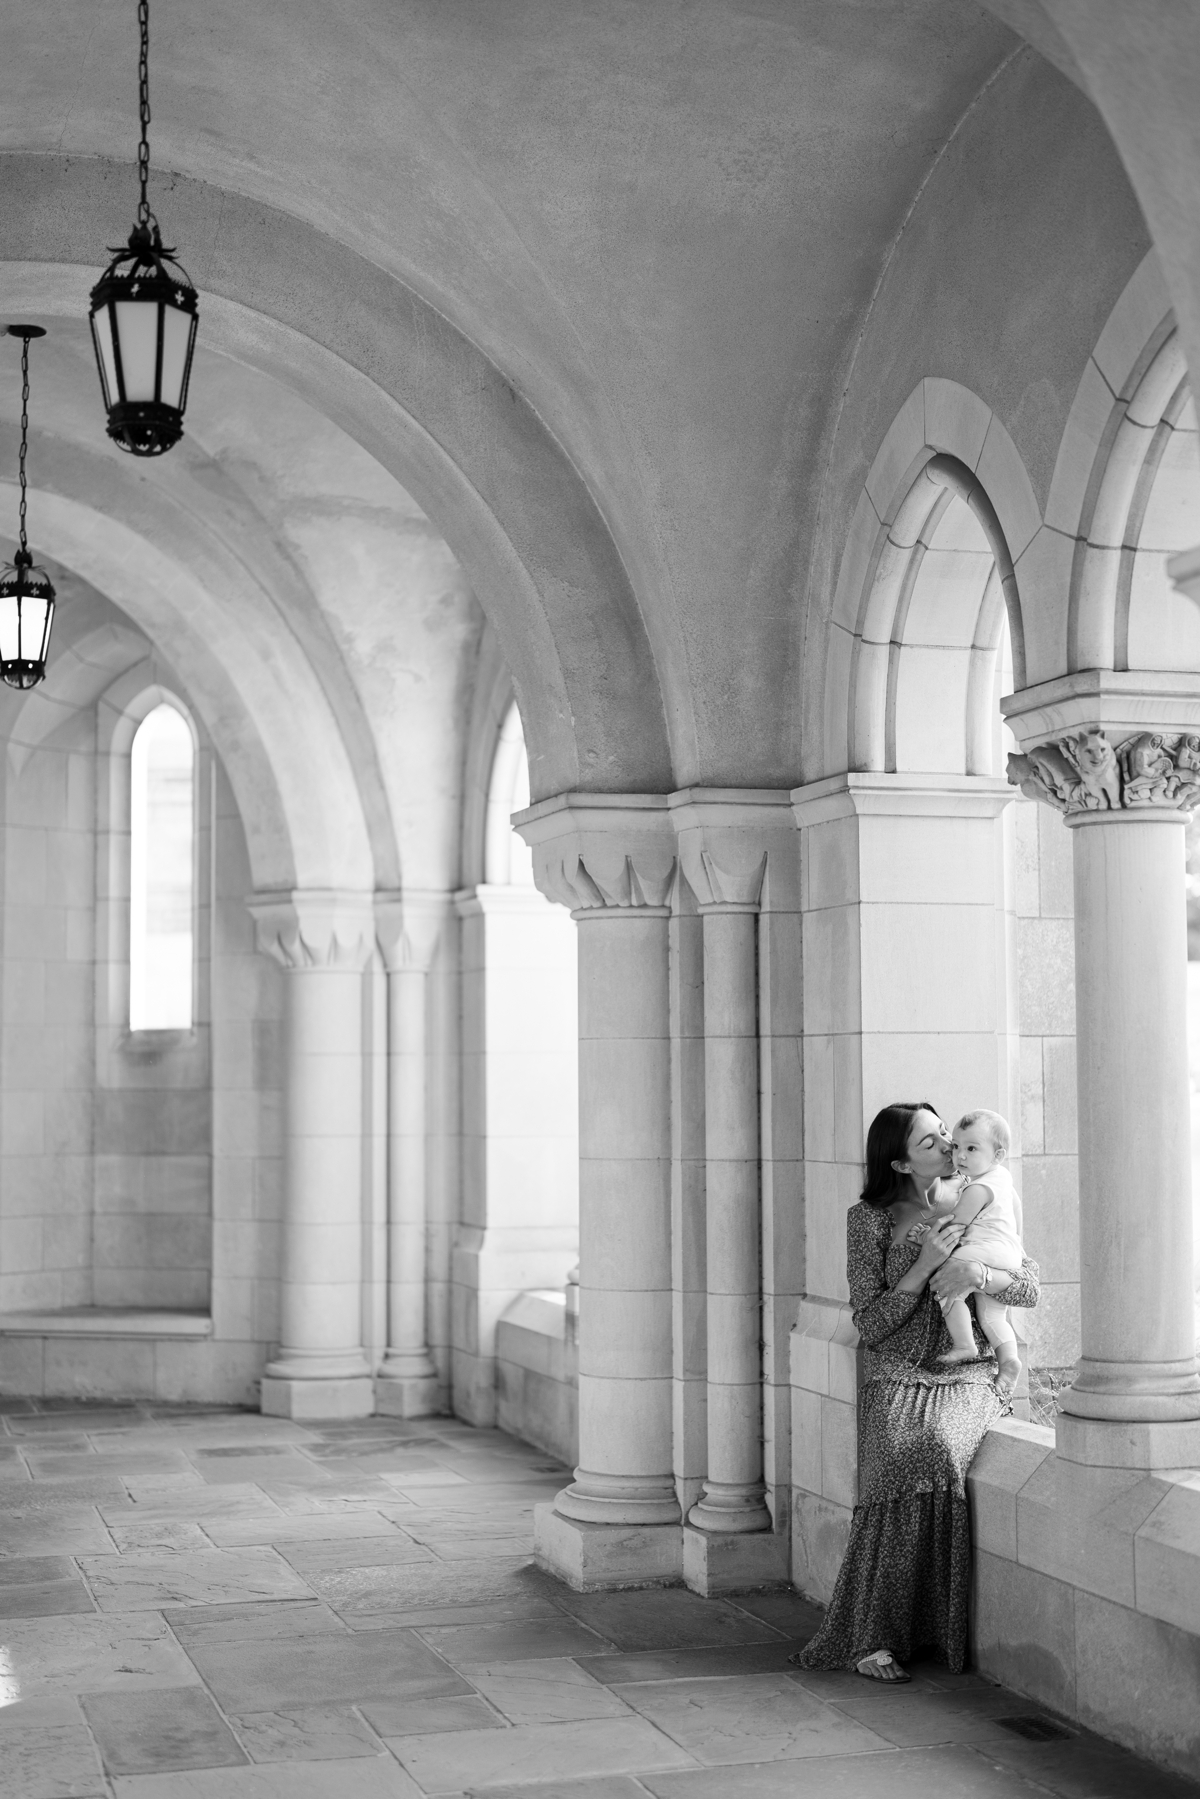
{"x":10,"y":628}
{"x":102,"y":331}
{"x":137,"y":328}
{"x":37,"y":620}
{"x":25,"y":622}
{"x":178,"y":327}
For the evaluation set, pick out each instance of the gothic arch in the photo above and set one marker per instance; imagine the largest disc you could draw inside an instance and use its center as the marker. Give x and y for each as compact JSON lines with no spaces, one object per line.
{"x":943,"y":445}
{"x":248,"y":679}
{"x":1128,"y":406}
{"x":371,"y":354}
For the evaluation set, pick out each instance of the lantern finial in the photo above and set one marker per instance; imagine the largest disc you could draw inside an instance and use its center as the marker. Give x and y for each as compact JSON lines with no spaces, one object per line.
{"x":26,"y":591}
{"x":143,"y":314}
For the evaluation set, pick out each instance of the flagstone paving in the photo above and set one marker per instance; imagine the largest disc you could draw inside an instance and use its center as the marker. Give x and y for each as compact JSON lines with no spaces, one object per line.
{"x":198,"y":1603}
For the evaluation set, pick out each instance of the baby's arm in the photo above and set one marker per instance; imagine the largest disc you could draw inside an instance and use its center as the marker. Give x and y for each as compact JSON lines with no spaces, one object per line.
{"x":974,"y":1199}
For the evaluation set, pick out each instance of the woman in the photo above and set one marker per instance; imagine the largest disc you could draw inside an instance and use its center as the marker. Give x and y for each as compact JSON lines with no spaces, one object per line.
{"x":903,"y":1584}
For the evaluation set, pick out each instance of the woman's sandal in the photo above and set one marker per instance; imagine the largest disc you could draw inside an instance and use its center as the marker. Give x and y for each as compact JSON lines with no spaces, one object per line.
{"x":882,"y":1658}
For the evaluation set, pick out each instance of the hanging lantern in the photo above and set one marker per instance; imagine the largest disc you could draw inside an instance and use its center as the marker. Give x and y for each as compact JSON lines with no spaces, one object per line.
{"x":143,"y":316}
{"x":26,"y":591}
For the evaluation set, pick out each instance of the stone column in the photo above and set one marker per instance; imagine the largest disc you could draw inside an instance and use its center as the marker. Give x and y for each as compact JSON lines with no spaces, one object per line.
{"x":324,"y":940}
{"x":902,"y":892}
{"x":1135,"y":1401}
{"x":726,"y":841}
{"x":408,"y":929}
{"x":612,"y":860}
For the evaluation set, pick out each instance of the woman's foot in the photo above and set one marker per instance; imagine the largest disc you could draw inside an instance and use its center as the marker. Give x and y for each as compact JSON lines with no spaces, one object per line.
{"x":881,"y":1666}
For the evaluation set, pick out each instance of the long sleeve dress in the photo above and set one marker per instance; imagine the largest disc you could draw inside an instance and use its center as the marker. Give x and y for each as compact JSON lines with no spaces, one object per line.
{"x":903,"y":1584}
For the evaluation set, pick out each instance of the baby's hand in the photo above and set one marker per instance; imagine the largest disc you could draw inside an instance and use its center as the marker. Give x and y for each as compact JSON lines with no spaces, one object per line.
{"x":917,"y":1233}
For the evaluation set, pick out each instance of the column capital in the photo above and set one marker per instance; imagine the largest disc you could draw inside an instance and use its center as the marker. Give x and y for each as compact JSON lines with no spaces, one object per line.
{"x":602,"y":853}
{"x":728,"y":837}
{"x":316,"y":928}
{"x":1092,"y":775}
{"x":408,"y":925}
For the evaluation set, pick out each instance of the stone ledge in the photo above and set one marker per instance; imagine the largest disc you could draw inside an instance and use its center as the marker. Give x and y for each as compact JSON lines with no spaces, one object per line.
{"x":1058,"y":1542}
{"x":105,"y":1321}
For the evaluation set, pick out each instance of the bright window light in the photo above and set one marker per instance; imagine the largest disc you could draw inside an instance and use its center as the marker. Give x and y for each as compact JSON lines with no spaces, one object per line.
{"x":162,"y":873}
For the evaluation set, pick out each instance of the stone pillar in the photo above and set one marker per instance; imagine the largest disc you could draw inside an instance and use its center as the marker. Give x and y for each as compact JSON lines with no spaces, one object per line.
{"x":612,"y":860}
{"x":324,"y":940}
{"x":1126,"y":793}
{"x":408,"y":927}
{"x":901,"y":875}
{"x":726,"y":840}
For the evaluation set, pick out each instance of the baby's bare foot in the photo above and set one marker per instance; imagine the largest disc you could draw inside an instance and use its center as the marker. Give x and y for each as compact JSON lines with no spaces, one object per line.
{"x":960,"y":1355}
{"x":1006,"y":1379}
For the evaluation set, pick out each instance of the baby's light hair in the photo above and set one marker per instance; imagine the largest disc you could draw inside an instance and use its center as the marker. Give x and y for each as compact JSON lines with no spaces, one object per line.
{"x":997,"y":1127}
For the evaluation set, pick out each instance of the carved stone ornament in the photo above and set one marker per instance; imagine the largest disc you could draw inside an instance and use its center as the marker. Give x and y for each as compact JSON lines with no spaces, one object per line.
{"x":1084,"y":772}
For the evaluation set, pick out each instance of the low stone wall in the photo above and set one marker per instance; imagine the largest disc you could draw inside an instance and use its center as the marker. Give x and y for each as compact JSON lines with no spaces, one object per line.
{"x":113,"y":1352}
{"x":537,"y":1374}
{"x":1087,"y":1590}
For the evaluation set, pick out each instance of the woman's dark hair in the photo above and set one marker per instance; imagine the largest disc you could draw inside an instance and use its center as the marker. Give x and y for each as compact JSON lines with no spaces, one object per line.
{"x":887,"y":1142}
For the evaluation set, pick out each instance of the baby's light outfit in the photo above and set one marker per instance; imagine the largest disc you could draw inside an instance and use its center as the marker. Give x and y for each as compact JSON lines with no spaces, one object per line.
{"x":993,"y":1236}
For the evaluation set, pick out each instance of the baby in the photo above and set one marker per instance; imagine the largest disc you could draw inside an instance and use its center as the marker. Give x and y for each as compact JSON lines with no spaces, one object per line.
{"x":990,"y":1208}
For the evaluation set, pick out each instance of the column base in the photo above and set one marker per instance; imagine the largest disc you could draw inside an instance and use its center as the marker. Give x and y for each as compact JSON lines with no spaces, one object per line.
{"x":732,"y":1562}
{"x":619,"y":1499}
{"x":315,"y":1399}
{"x":591,"y":1558}
{"x":406,"y":1395}
{"x":730,"y":1510}
{"x":1111,"y":1443}
{"x":1148,"y":1392}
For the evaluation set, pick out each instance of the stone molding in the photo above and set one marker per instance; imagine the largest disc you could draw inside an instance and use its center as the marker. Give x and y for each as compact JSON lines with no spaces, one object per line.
{"x":1120,"y":702}
{"x":599,"y":853}
{"x":408,"y":926}
{"x":728,"y":838}
{"x":321,"y":928}
{"x":899,"y":796}
{"x":1083,"y":772}
{"x":602,"y":853}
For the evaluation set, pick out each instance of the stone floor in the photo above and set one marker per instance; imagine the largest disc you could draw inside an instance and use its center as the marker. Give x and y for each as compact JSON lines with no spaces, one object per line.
{"x":207,"y":1604}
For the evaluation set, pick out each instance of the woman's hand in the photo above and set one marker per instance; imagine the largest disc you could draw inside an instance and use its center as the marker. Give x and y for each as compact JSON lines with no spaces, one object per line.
{"x":942,"y":1240}
{"x":954,"y":1280}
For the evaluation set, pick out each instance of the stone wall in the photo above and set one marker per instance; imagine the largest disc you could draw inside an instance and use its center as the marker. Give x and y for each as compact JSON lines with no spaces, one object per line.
{"x":1087,"y":1590}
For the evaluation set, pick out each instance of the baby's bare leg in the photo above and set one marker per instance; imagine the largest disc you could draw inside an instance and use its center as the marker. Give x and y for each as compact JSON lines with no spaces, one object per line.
{"x":994,"y":1323}
{"x":957,"y":1313}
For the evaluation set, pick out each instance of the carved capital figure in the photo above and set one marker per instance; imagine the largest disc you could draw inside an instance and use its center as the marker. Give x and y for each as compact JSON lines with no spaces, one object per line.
{"x":1084,"y":772}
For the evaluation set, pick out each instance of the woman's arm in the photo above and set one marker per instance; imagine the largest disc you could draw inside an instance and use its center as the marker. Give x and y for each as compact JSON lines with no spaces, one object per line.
{"x":954,"y":1280}
{"x":879,"y":1309}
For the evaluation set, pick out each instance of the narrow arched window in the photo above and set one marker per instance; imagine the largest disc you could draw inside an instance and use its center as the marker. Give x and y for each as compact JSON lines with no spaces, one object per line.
{"x":508,"y":860}
{"x":162,"y":898}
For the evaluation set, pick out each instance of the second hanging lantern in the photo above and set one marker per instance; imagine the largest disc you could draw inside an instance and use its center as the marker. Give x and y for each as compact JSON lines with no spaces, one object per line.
{"x":143,"y":315}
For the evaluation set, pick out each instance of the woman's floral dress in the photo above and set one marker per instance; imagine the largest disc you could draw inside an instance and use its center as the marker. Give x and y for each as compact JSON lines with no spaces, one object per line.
{"x":903,"y":1585}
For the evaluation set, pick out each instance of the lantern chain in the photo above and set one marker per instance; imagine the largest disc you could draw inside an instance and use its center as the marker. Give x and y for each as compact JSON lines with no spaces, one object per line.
{"x":24,"y":437}
{"x":144,"y":215}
